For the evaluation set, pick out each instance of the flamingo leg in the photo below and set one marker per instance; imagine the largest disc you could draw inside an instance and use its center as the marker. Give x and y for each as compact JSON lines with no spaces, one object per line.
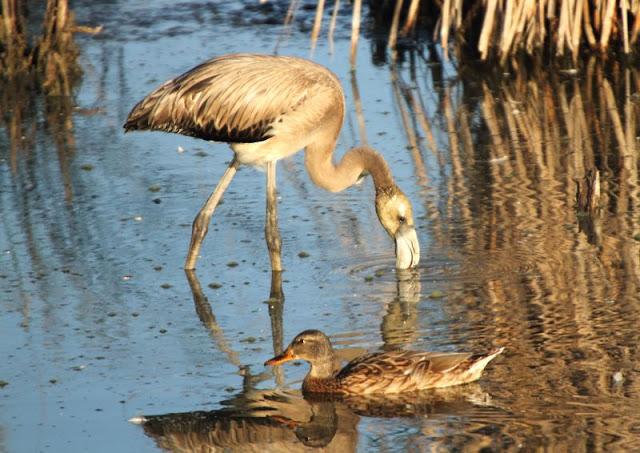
{"x":201,"y":222}
{"x":271,"y":231}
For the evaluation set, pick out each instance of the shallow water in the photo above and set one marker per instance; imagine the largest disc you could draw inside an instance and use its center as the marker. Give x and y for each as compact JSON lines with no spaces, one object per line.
{"x":100,"y":323}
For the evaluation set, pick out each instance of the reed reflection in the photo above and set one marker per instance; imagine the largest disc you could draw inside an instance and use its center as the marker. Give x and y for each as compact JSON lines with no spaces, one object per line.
{"x":557,"y":279}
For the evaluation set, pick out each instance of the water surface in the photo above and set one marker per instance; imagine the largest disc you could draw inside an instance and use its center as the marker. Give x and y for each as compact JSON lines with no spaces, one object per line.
{"x":100,"y":323}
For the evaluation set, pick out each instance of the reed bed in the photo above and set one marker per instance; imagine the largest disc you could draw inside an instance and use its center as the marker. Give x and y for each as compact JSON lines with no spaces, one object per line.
{"x":503,"y":29}
{"x":51,"y":56}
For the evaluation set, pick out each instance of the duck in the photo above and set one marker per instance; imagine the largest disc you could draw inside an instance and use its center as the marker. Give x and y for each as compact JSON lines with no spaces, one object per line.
{"x":389,"y":372}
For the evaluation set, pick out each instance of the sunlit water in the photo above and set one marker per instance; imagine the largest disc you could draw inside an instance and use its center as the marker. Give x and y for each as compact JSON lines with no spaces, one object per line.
{"x":100,"y":323}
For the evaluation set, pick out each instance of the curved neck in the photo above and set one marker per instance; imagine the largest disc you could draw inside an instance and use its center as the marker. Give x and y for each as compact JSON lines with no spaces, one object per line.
{"x":355,"y":162}
{"x":322,"y":368}
{"x":320,"y":377}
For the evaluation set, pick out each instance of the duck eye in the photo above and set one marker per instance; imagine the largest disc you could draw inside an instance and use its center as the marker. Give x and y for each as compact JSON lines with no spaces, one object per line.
{"x":402,"y":219}
{"x":300,"y":341}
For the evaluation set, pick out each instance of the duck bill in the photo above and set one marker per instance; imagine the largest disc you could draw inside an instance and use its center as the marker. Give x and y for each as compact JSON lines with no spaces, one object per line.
{"x":282,"y":358}
{"x":407,"y":247}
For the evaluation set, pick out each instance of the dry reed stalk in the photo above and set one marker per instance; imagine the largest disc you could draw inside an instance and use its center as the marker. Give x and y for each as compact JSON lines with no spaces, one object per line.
{"x":317,"y":23}
{"x":564,"y":29}
{"x":625,"y":25}
{"x":332,"y":24}
{"x":13,"y":43}
{"x":541,"y":22}
{"x":393,"y":33}
{"x":10,"y":20}
{"x":527,"y":26}
{"x":57,"y":51}
{"x":577,"y":27}
{"x":447,"y":19}
{"x":607,"y":24}
{"x":597,"y":15}
{"x":588,"y":30}
{"x":507,"y":36}
{"x":487,"y":28}
{"x":412,"y":17}
{"x":636,"y":24}
{"x":355,"y":30}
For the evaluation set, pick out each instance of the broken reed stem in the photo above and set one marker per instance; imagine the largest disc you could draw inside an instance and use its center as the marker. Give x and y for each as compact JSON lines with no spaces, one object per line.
{"x":395,"y":22}
{"x":625,"y":25}
{"x":317,"y":23}
{"x":332,"y":24}
{"x":609,"y":15}
{"x":445,"y":24}
{"x":412,"y":17}
{"x":355,"y":30}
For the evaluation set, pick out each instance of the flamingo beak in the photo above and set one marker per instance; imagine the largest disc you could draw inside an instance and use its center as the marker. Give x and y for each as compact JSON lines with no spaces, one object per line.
{"x":407,"y":247}
{"x":282,"y":358}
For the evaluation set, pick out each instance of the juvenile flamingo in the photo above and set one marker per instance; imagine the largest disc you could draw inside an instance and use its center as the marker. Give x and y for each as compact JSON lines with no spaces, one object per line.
{"x":267,"y":108}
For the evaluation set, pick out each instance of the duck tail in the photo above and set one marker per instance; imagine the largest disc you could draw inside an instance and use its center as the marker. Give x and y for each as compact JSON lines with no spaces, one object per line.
{"x":480,"y":361}
{"x":139,"y":420}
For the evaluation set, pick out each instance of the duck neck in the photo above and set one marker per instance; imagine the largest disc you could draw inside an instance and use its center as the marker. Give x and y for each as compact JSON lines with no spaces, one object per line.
{"x":356,"y":162}
{"x":322,"y":369}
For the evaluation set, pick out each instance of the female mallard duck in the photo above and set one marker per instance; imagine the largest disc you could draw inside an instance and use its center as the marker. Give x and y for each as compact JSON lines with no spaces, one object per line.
{"x":380,"y":372}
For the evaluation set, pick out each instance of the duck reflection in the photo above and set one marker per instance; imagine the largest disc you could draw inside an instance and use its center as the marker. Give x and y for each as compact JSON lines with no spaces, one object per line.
{"x":274,"y":420}
{"x":257,"y":420}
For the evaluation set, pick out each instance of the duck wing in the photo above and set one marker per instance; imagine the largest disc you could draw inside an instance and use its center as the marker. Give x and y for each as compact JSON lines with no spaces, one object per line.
{"x":397,"y":371}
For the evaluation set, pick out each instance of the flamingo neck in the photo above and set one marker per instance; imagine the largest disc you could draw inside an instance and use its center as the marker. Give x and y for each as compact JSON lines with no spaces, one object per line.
{"x":335,"y":178}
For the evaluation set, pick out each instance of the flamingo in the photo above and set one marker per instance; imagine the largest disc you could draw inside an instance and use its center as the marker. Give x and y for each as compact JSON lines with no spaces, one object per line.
{"x":268,"y":108}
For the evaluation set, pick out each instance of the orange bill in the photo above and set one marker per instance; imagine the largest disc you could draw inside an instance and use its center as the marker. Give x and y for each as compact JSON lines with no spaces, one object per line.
{"x":284,"y":357}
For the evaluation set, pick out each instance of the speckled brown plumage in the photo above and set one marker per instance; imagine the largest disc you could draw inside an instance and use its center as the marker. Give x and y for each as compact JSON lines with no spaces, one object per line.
{"x":213,"y":101}
{"x":381,"y":372}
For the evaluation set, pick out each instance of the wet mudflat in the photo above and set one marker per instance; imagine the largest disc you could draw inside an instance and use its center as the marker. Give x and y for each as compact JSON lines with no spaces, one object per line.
{"x":99,"y":323}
